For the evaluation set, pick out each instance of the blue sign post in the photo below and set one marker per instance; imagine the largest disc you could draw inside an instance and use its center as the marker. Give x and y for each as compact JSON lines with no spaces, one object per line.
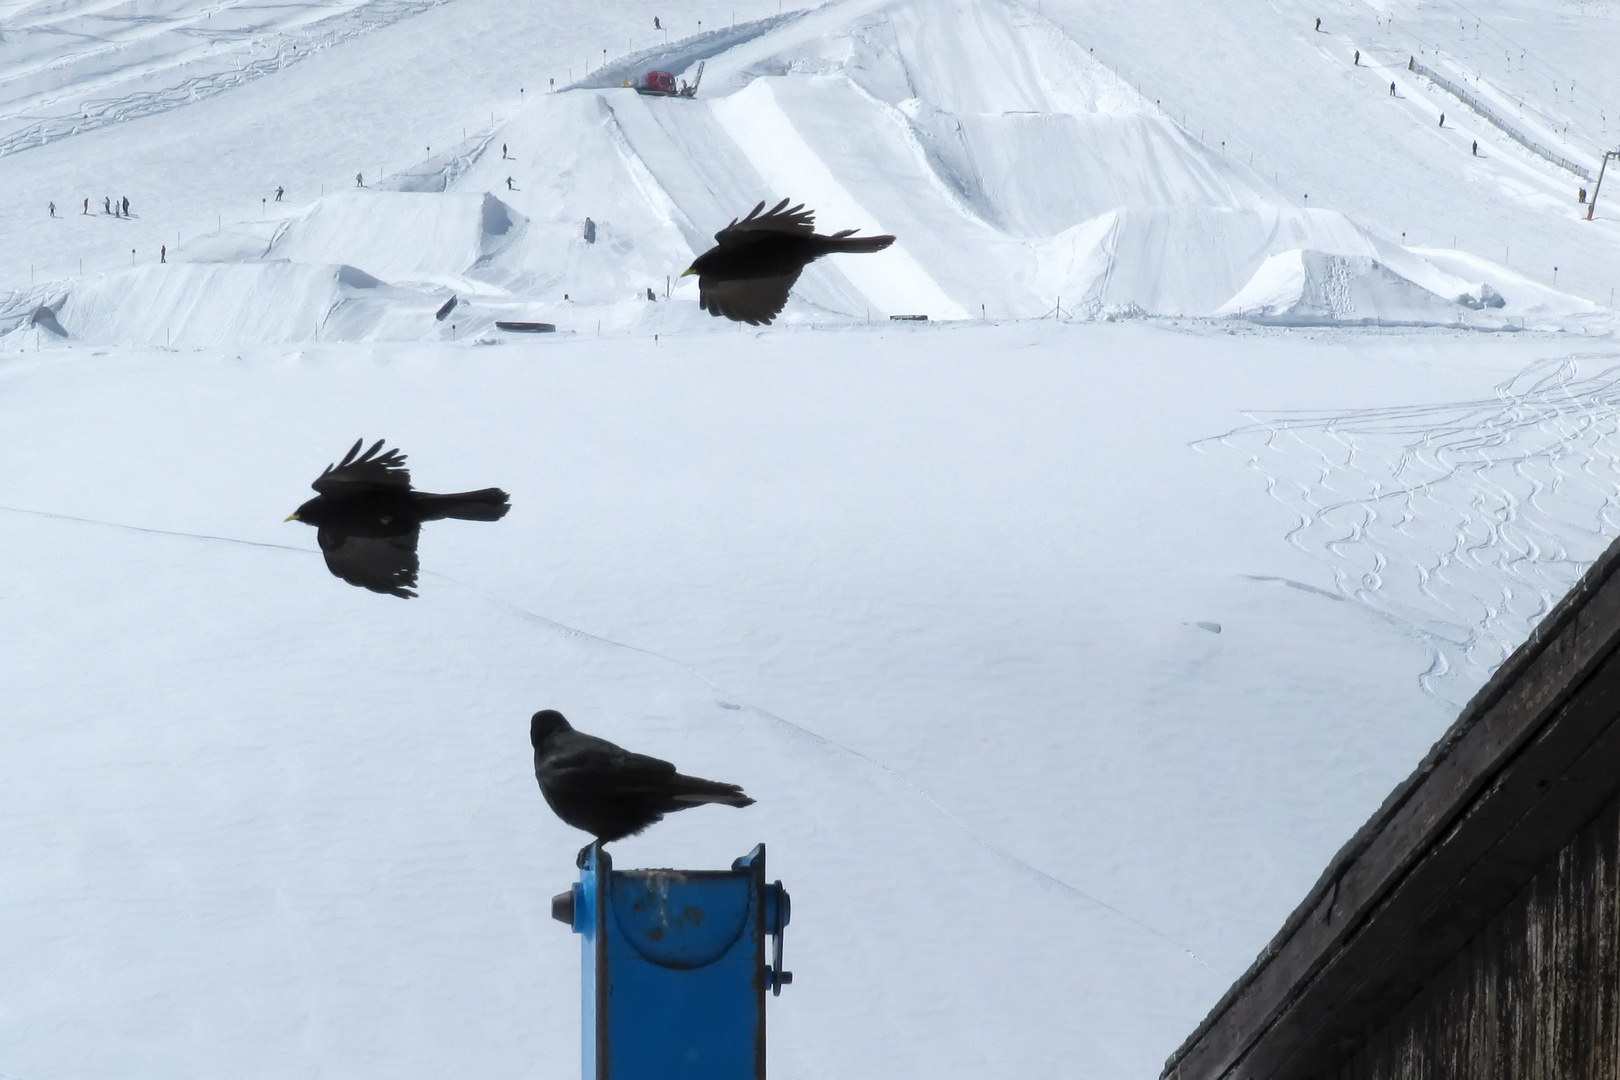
{"x":675,"y":968}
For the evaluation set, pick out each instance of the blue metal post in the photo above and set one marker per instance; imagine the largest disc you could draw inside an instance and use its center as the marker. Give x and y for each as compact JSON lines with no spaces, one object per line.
{"x":675,"y":970}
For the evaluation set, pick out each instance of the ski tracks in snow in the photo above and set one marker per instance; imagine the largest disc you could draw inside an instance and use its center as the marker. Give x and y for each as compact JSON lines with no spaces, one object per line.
{"x":99,"y":87}
{"x":1464,"y":522}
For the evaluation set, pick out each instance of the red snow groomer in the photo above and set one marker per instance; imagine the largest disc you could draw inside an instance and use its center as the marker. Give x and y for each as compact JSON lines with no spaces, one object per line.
{"x":664,"y":84}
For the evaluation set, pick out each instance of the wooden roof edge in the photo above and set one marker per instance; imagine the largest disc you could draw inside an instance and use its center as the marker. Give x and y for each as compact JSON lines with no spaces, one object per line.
{"x":1512,"y":669}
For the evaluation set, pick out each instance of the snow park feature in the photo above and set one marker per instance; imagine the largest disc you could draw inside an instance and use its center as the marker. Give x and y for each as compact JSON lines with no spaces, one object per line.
{"x":1235,"y":429}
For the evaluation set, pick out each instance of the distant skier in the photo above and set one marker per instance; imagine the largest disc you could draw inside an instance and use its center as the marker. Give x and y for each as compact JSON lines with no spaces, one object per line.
{"x":163,"y":253}
{"x":1318,"y":26}
{"x":53,"y":209}
{"x":651,"y":298}
{"x":126,"y":206}
{"x":106,"y":205}
{"x":659,"y":26}
{"x":503,"y":152}
{"x":87,"y":204}
{"x":1476,"y":148}
{"x":509,"y":186}
{"x":1358,"y":58}
{"x":1391,"y":89}
{"x":359,"y":181}
{"x":1583,"y":195}
{"x":1442,"y":119}
{"x":590,"y":231}
{"x":280,"y":191}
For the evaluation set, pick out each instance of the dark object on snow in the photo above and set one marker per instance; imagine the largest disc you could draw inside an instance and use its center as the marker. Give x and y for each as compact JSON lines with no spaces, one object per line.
{"x":1442,"y":119}
{"x":1467,"y":929}
{"x":664,"y":84}
{"x":608,"y":791}
{"x":126,"y":206}
{"x":1391,"y":89}
{"x":590,"y":231}
{"x":369,"y":518}
{"x":526,"y":327}
{"x":443,"y":312}
{"x":908,"y":318}
{"x":747,"y":275}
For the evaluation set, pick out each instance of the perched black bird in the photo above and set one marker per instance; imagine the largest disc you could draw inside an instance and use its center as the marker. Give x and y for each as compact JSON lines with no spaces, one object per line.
{"x":606,"y":790}
{"x":369,"y":518}
{"x":747,"y":275}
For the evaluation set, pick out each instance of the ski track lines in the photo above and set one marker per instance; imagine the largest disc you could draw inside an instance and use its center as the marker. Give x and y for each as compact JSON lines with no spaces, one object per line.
{"x":168,"y":55}
{"x":892,"y":279}
{"x":1465,"y":522}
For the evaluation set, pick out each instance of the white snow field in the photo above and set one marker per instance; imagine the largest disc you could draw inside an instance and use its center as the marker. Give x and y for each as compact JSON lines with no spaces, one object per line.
{"x":1060,"y":654}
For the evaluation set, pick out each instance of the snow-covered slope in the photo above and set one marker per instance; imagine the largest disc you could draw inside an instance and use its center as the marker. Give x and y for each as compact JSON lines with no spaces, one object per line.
{"x":1021,"y":176}
{"x":1044,"y":743}
{"x":1060,"y":655}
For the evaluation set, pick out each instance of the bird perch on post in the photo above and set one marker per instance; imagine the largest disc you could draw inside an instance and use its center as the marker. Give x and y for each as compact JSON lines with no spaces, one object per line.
{"x":674,"y":961}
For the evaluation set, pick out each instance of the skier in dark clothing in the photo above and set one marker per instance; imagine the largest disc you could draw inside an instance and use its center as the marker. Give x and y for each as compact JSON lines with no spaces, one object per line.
{"x":1476,"y":148}
{"x":87,"y":204}
{"x":659,"y":26}
{"x":1358,"y":58}
{"x":651,"y":297}
{"x":280,"y":191}
{"x":509,"y":186}
{"x":359,"y":180}
{"x":126,"y":206}
{"x":590,"y":231}
{"x":53,"y":209}
{"x":106,"y":205}
{"x":1318,"y":26}
{"x":163,"y":253}
{"x":1442,"y":119}
{"x":1391,"y":89}
{"x":503,"y":152}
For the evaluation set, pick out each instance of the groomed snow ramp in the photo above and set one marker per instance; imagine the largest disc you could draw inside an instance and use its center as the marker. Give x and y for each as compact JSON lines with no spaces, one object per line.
{"x":399,"y":235}
{"x":203,"y":304}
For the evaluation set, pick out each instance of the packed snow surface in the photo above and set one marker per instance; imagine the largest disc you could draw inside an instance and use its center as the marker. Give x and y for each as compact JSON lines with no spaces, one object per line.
{"x":1060,"y":654}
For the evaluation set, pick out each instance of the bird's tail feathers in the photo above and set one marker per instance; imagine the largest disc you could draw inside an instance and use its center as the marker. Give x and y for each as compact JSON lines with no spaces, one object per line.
{"x":693,"y":790}
{"x":487,"y":504}
{"x":847,"y":241}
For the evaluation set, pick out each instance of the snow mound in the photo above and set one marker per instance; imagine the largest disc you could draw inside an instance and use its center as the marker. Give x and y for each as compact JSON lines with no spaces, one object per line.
{"x":885,"y":116}
{"x":400,"y":235}
{"x":200,"y":304}
{"x":1309,"y":288}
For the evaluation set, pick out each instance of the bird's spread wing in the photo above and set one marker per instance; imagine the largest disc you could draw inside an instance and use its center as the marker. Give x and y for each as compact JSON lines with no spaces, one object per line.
{"x":585,"y":763}
{"x":368,"y":472}
{"x":384,"y":564}
{"x":755,"y":301}
{"x":794,"y":220}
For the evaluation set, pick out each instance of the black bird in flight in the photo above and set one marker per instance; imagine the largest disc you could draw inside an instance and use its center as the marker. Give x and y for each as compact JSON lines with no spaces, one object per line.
{"x":747,"y":274}
{"x":369,"y":518}
{"x":608,"y":791}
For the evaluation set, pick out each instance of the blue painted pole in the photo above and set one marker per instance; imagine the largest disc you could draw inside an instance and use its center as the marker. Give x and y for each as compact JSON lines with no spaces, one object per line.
{"x":675,"y":966}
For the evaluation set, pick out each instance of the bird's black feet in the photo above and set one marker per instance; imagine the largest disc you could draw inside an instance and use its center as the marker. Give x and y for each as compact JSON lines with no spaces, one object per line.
{"x":585,"y":851}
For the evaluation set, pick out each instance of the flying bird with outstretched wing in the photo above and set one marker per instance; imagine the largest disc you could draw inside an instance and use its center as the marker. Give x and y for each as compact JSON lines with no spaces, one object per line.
{"x":756,"y":260}
{"x":368,"y":518}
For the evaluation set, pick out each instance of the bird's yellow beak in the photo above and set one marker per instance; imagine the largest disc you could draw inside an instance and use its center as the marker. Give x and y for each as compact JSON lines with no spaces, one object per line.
{"x":291,"y":517}
{"x":688,"y":272}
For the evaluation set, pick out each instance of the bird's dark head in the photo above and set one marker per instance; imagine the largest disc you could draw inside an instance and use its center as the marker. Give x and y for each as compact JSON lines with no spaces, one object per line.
{"x":699,"y":264}
{"x":311,"y":513}
{"x":546,"y":723}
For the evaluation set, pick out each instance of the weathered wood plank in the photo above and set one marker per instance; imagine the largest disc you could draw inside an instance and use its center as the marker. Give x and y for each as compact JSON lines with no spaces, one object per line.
{"x":1511,"y":710}
{"x":1560,"y":781}
{"x":1535,"y":995}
